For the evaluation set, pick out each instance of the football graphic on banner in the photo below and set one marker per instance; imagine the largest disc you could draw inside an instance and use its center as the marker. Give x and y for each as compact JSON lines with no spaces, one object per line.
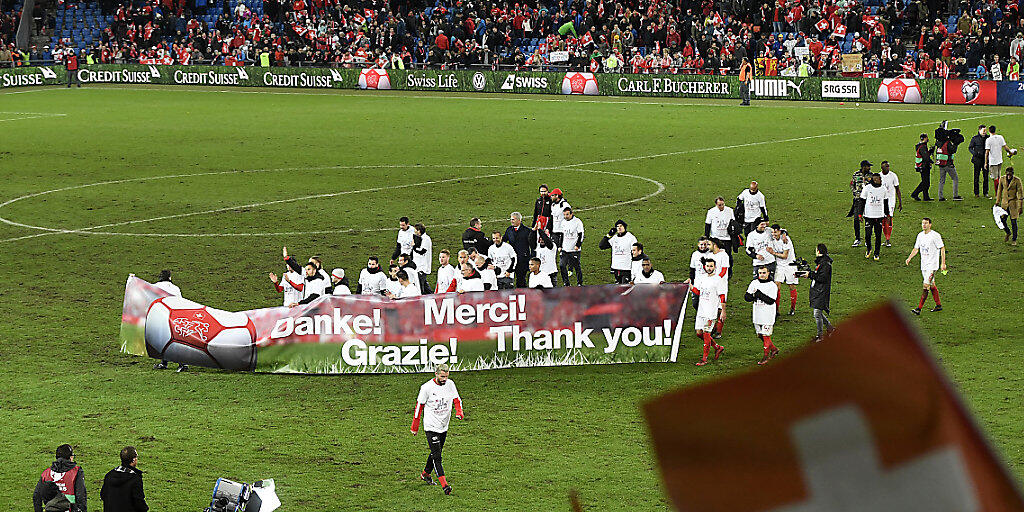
{"x":899,"y":90}
{"x":374,"y":79}
{"x":970,"y":92}
{"x":579,"y":83}
{"x":181,"y":330}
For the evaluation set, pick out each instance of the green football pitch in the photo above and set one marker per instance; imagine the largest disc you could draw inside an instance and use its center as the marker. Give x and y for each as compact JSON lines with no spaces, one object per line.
{"x":101,"y":182}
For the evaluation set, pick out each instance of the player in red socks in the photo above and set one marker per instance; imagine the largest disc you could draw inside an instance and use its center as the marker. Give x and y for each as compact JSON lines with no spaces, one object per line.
{"x":764,"y":293}
{"x":781,"y":246}
{"x":933,"y":258}
{"x":434,"y":404}
{"x":709,"y":291}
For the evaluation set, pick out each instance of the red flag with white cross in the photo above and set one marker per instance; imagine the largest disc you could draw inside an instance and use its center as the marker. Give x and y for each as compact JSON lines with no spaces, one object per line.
{"x":864,"y":421}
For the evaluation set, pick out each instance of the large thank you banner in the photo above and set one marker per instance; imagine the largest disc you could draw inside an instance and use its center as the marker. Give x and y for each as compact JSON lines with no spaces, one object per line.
{"x":370,"y":334}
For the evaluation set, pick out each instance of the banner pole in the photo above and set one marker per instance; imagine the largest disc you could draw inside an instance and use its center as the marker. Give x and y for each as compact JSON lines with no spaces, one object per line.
{"x":679,"y":325}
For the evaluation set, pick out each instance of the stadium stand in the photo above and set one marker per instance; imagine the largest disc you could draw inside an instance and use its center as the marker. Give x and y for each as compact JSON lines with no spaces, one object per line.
{"x":911,"y":39}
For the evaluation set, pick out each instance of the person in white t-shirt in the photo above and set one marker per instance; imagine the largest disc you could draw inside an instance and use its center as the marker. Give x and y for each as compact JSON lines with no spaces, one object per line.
{"x":372,"y":279}
{"x":435,"y":402}
{"x":758,"y":241}
{"x":572,"y":247}
{"x":164,"y":283}
{"x":487,"y":272}
{"x":755,"y":209}
{"x":406,"y":288}
{"x":994,"y":147}
{"x":708,"y":287}
{"x":876,"y":208}
{"x":405,"y":263}
{"x":403,"y":245}
{"x":338,"y":282}
{"x":716,"y":225}
{"x":503,"y":256}
{"x":536,"y":278}
{"x":648,"y":275}
{"x":620,"y":241}
{"x":392,"y":287}
{"x":764,"y":293}
{"x":545,"y":250}
{"x":447,"y":280}
{"x":891,"y":182}
{"x":471,"y":280}
{"x":785,"y":272}
{"x":722,"y":267}
{"x":422,"y":254}
{"x":933,"y":258}
{"x":290,"y":286}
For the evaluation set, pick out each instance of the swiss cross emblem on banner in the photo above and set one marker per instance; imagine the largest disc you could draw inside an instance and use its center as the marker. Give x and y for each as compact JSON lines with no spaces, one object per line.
{"x":862,"y":422}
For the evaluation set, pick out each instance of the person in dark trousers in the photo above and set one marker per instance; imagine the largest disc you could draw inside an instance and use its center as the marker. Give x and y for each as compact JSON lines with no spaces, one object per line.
{"x":71,"y":64}
{"x":542,"y":210}
{"x":977,"y":149}
{"x":857,"y":182}
{"x":518,"y":236}
{"x":122,"y":486}
{"x":474,"y":238}
{"x":62,"y":485}
{"x":923,"y":165}
{"x":821,"y":290}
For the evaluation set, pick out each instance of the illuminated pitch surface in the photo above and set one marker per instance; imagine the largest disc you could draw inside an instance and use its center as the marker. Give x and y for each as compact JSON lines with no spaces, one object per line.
{"x":369,"y":158}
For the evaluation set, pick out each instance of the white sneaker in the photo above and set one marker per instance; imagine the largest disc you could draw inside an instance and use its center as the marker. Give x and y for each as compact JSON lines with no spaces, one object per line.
{"x":888,"y":243}
{"x":856,"y":243}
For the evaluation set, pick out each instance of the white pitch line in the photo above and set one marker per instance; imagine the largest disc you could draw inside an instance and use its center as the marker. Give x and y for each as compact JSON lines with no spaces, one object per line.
{"x":792,"y":104}
{"x":88,"y":230}
{"x":24,"y":118}
{"x":31,"y":113}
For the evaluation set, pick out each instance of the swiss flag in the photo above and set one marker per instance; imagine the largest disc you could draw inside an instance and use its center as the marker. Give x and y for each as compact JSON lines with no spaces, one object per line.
{"x":865,"y":421}
{"x":821,"y":25}
{"x":839,"y":31}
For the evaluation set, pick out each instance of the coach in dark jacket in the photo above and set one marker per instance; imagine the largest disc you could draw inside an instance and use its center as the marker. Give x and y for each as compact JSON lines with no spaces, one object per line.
{"x":122,"y":487}
{"x":821,"y":289}
{"x":977,"y":149}
{"x":518,"y":236}
{"x":473,"y":237}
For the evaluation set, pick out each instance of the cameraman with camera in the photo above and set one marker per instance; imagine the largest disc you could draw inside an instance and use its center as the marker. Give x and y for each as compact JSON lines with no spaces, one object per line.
{"x":821,"y":289}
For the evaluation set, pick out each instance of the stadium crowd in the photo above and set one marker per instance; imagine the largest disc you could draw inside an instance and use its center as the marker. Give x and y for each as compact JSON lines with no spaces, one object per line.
{"x":786,"y":37}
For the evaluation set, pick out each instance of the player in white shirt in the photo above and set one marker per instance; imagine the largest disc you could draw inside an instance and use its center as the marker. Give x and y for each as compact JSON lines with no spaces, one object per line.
{"x":164,"y":283}
{"x":487,"y":273}
{"x":709,"y":287}
{"x":994,"y":147}
{"x":290,"y":286}
{"x":891,"y":182}
{"x":716,"y":225}
{"x":636,"y":260}
{"x":876,"y":208}
{"x":422,"y":253}
{"x":372,"y":279}
{"x":754,"y":207}
{"x":620,"y":241}
{"x":406,"y":264}
{"x":404,"y":242}
{"x":437,"y":398}
{"x":393,"y":287}
{"x":545,"y":250}
{"x":933,"y":258}
{"x":648,"y":275}
{"x":446,"y":274}
{"x":503,"y":256}
{"x":785,"y":271}
{"x":558,"y":207}
{"x":406,"y":288}
{"x":697,"y":257}
{"x":758,"y":242}
{"x":471,"y":280}
{"x":764,"y":293}
{"x":536,"y":278}
{"x":723,"y":261}
{"x":572,"y":247}
{"x":461,"y":258}
{"x":339,"y":283}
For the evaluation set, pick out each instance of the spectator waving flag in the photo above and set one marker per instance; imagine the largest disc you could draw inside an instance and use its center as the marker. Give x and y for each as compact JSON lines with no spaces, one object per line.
{"x":587,"y":39}
{"x":821,"y":25}
{"x":839,"y":31}
{"x":359,"y":19}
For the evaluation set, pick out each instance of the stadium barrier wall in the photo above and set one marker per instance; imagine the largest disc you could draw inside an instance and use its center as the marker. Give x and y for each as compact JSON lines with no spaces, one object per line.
{"x":604,"y":84}
{"x":566,"y":326}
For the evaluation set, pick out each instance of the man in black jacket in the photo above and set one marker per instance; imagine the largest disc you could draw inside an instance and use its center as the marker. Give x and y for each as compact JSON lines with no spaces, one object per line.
{"x":821,"y":289}
{"x":473,"y":237}
{"x":542,"y":210}
{"x":61,"y":483}
{"x":122,"y":486}
{"x":518,"y":236}
{"x":977,"y":149}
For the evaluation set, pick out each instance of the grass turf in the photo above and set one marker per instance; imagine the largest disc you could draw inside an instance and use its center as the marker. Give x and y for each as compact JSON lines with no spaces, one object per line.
{"x":342,"y":442}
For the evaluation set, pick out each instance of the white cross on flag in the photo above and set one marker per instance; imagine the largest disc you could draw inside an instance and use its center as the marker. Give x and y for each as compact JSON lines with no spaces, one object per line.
{"x":865,"y":421}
